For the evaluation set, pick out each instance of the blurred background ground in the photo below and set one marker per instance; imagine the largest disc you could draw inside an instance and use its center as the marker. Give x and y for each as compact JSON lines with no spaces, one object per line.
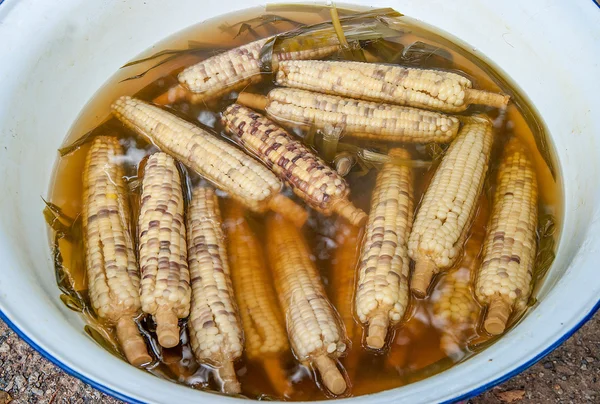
{"x":571,"y":374}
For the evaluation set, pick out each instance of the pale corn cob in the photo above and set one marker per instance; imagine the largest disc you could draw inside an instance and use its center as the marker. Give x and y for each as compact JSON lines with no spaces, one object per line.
{"x":430,"y":89}
{"x":229,"y":168}
{"x":504,"y":280}
{"x":309,"y":177}
{"x":111,"y":267}
{"x":382,"y":291}
{"x":165,"y":291}
{"x":344,"y":265}
{"x":450,"y":204}
{"x":236,"y":68}
{"x":214,"y":325}
{"x":314,"y":329}
{"x":359,"y":119}
{"x":455,"y":309}
{"x":262,"y":321}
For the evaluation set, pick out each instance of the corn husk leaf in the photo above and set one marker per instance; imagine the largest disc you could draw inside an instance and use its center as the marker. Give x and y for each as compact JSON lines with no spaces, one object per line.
{"x":107,"y":127}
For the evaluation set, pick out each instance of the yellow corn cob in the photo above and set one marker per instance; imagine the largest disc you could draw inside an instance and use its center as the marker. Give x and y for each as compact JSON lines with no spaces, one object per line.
{"x":430,"y":89}
{"x":165,"y":291}
{"x":263,"y":324}
{"x":359,"y":119}
{"x":314,"y":329}
{"x":449,"y":204}
{"x":504,"y":280}
{"x":342,"y":286}
{"x":236,"y":68}
{"x":214,"y":324}
{"x":111,"y":267}
{"x":382,"y":291}
{"x":308,"y":176}
{"x":229,"y":168}
{"x":455,"y":309}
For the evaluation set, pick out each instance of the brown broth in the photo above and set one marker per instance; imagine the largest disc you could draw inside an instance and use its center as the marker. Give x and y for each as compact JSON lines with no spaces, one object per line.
{"x":414,"y":349}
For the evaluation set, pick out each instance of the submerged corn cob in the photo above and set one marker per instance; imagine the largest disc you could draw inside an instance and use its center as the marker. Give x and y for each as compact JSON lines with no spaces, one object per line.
{"x":314,"y":329}
{"x":111,"y":267}
{"x":504,"y":279}
{"x":165,"y":291}
{"x":214,"y":325}
{"x":382,"y":290}
{"x":342,"y":287}
{"x":229,"y":168}
{"x":264,"y":328}
{"x":455,"y":309}
{"x":236,"y":68}
{"x":309,"y":177}
{"x":421,"y":88}
{"x":359,"y":119}
{"x":450,"y":204}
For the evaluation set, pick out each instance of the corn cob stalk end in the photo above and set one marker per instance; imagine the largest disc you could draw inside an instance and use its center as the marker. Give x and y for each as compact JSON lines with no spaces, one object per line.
{"x":254,"y":101}
{"x":167,"y":329}
{"x":288,"y":209}
{"x":348,"y":211}
{"x":132,"y":343}
{"x":421,"y":279}
{"x":378,"y":329}
{"x":497,"y":316}
{"x":231,"y":385}
{"x":330,"y":374}
{"x":473,"y":96}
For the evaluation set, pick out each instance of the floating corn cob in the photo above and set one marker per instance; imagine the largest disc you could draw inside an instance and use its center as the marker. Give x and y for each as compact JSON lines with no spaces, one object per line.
{"x":264,"y":328}
{"x":342,"y":286}
{"x":314,"y":329}
{"x":455,"y":309}
{"x":111,"y":267}
{"x":165,"y":291}
{"x":382,"y":291}
{"x":309,"y":177}
{"x":504,"y":279}
{"x":214,"y":324}
{"x":239,"y":67}
{"x":450,"y":204}
{"x":229,"y":168}
{"x":359,"y":119}
{"x":431,"y":89}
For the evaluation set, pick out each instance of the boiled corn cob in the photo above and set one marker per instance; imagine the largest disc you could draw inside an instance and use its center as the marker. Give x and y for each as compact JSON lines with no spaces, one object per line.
{"x":344,"y":264}
{"x":165,"y":291}
{"x":382,"y":291}
{"x":450,"y":204}
{"x":430,"y":89}
{"x":504,"y":279}
{"x":239,"y":67}
{"x":214,"y":325}
{"x":359,"y":119}
{"x":111,"y":266}
{"x":229,"y":168}
{"x":262,"y":321}
{"x":314,"y":329}
{"x":308,"y":176}
{"x":455,"y":309}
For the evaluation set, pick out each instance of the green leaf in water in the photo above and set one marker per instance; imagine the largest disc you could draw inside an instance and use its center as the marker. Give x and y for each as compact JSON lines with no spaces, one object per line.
{"x":72,"y":302}
{"x":109,"y":127}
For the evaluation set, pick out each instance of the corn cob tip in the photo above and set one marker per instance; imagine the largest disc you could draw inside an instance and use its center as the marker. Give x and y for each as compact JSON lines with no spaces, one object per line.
{"x":132,"y":343}
{"x":172,"y":95}
{"x":167,"y":328}
{"x":449,"y":345}
{"x":496,"y":100}
{"x":330,"y":374}
{"x":254,"y":101}
{"x":348,"y":211}
{"x":378,"y":327}
{"x":497,"y":316}
{"x":288,"y":209}
{"x":421,"y":279}
{"x":277,"y":376}
{"x":231,"y":385}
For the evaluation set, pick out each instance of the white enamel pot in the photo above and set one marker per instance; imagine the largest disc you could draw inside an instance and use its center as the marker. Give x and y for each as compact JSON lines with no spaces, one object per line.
{"x":55,"y":54}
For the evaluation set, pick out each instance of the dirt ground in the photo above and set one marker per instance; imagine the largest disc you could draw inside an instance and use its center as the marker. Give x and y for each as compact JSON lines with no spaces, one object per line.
{"x":571,"y":374}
